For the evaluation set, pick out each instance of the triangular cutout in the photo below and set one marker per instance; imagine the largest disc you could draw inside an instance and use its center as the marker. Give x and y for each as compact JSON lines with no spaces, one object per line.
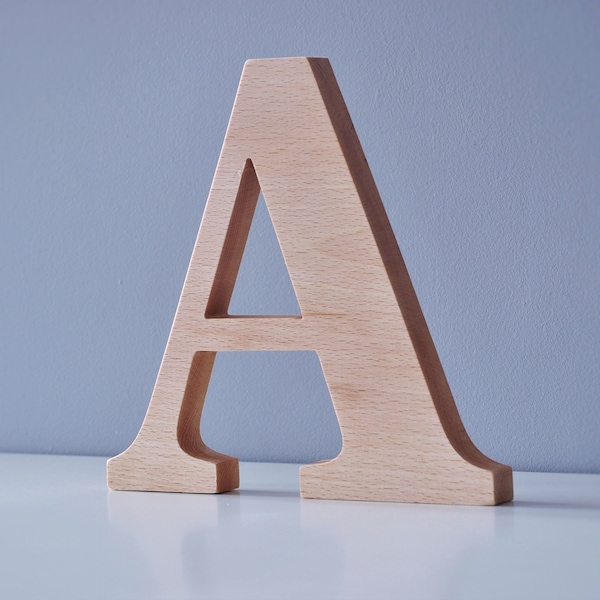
{"x":252,"y":277}
{"x":263,"y":285}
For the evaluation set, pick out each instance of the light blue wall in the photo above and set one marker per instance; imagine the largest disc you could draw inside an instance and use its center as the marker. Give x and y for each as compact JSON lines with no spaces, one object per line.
{"x":481,"y":123}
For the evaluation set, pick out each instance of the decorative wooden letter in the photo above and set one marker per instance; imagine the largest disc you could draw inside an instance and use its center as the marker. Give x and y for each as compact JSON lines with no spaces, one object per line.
{"x":290,"y":135}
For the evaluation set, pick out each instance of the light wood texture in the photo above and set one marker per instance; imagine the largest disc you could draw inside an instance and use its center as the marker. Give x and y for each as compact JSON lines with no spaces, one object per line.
{"x":290,"y":135}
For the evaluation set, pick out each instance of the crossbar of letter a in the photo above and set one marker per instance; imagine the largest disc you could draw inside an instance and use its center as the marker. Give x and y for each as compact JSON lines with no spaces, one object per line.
{"x":290,"y":135}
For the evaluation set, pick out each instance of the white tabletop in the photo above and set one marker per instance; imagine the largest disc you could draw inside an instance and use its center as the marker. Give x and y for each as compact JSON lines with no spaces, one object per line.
{"x":64,"y":535}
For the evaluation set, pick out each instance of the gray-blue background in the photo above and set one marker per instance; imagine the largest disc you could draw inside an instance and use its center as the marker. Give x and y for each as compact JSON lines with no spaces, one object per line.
{"x":481,"y":123}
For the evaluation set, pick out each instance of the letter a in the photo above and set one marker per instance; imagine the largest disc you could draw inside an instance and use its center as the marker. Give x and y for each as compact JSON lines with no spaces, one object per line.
{"x":290,"y":135}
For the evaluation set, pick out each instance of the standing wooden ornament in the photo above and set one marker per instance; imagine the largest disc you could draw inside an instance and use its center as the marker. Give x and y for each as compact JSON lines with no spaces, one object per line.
{"x":290,"y":135}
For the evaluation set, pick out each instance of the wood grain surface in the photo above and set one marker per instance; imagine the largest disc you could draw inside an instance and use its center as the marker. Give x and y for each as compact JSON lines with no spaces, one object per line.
{"x":290,"y":135}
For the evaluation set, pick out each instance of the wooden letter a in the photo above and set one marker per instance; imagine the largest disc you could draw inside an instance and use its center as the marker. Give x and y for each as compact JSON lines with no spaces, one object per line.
{"x":290,"y":135}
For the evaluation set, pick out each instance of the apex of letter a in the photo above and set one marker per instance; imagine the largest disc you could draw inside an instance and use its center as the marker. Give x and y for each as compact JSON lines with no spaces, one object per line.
{"x":290,"y":135}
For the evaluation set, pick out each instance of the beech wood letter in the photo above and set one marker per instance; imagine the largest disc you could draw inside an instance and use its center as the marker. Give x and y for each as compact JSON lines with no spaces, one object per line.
{"x":290,"y":135}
